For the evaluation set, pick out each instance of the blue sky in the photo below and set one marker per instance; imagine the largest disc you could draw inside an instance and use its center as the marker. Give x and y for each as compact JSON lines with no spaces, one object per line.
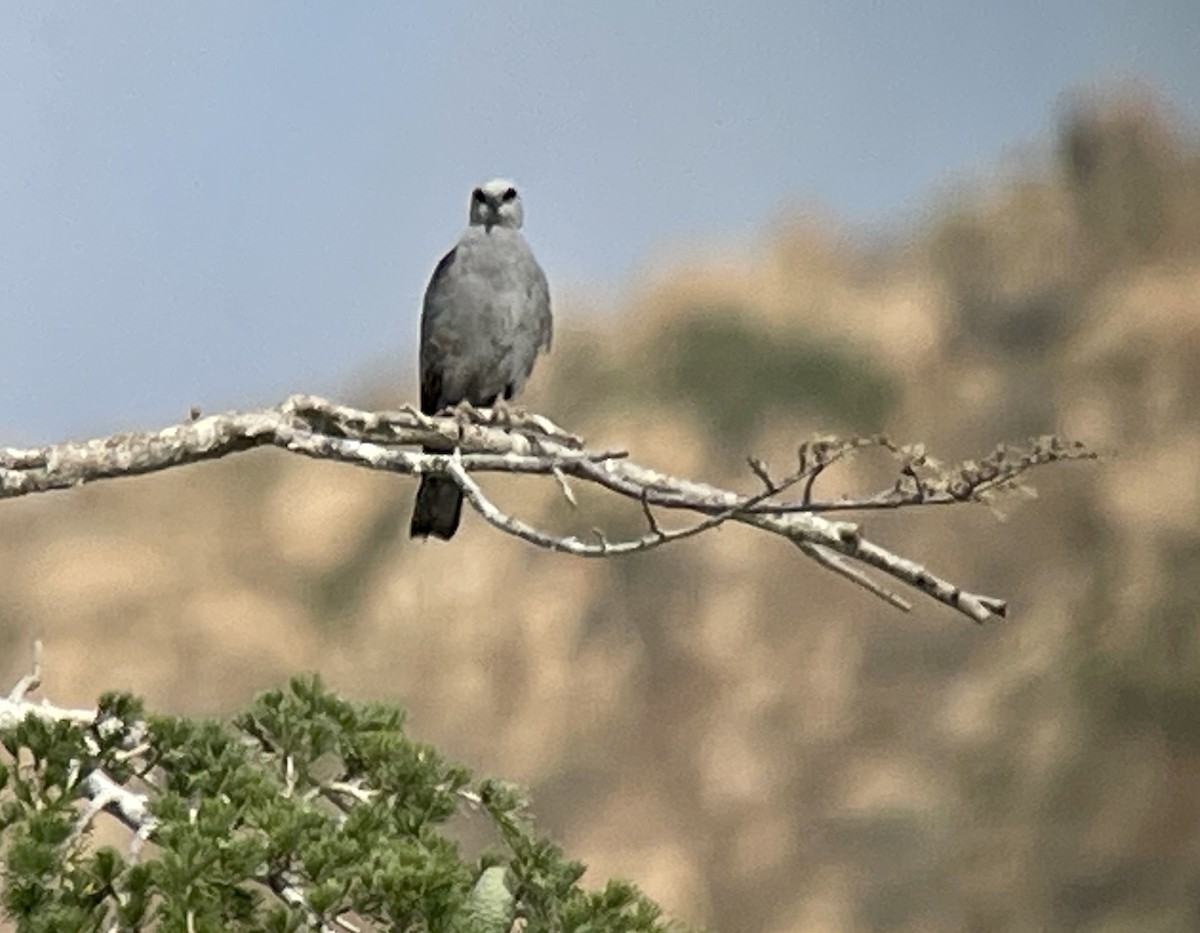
{"x":218,"y":203}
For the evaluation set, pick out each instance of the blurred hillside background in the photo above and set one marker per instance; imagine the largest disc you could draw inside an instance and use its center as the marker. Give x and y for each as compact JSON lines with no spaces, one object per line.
{"x":761,"y":746}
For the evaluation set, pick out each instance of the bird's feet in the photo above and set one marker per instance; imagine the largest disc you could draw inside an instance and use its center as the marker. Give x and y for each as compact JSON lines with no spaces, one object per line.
{"x":514,"y":418}
{"x":504,"y":415}
{"x":499,"y":415}
{"x":423,"y":420}
{"x":467,"y":412}
{"x":465,"y":415}
{"x":508,"y":417}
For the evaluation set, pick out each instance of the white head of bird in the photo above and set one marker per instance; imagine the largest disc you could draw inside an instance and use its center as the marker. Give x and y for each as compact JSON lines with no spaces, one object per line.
{"x":496,"y":203}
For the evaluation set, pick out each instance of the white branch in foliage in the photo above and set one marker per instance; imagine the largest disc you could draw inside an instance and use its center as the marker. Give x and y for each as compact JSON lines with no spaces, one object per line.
{"x":467,"y":444}
{"x":104,"y":794}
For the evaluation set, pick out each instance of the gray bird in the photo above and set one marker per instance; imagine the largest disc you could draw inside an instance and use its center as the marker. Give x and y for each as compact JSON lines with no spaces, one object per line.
{"x":485,"y":319}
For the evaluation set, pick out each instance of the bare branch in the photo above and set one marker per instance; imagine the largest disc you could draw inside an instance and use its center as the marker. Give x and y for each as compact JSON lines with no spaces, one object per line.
{"x":465,"y":443}
{"x":923,"y":482}
{"x":759,"y":469}
{"x":650,"y":519}
{"x":838,"y":564}
{"x":565,"y":486}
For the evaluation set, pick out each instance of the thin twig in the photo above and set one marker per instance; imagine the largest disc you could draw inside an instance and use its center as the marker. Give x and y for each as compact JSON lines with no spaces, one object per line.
{"x":760,"y":470}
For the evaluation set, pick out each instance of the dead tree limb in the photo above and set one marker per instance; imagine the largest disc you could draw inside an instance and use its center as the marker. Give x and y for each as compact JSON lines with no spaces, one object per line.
{"x":468,"y":443}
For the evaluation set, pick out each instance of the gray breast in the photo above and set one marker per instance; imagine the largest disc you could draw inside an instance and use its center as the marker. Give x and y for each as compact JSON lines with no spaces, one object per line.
{"x":486,"y":317}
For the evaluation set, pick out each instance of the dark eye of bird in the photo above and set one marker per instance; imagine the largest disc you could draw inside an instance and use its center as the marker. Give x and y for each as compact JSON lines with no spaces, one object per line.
{"x":509,"y":194}
{"x":478,"y":195}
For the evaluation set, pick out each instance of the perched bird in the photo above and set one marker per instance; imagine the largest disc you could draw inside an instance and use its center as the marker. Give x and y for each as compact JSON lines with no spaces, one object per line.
{"x":485,"y":319}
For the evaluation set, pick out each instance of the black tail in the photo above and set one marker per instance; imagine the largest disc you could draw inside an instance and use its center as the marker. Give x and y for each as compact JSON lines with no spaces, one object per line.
{"x":437,"y":509}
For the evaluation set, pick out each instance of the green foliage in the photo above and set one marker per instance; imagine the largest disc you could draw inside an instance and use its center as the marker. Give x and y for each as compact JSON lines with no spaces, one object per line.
{"x":736,"y":377}
{"x":305,"y":794}
{"x":1002,"y":307}
{"x":1122,"y":169}
{"x":1150,"y":684}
